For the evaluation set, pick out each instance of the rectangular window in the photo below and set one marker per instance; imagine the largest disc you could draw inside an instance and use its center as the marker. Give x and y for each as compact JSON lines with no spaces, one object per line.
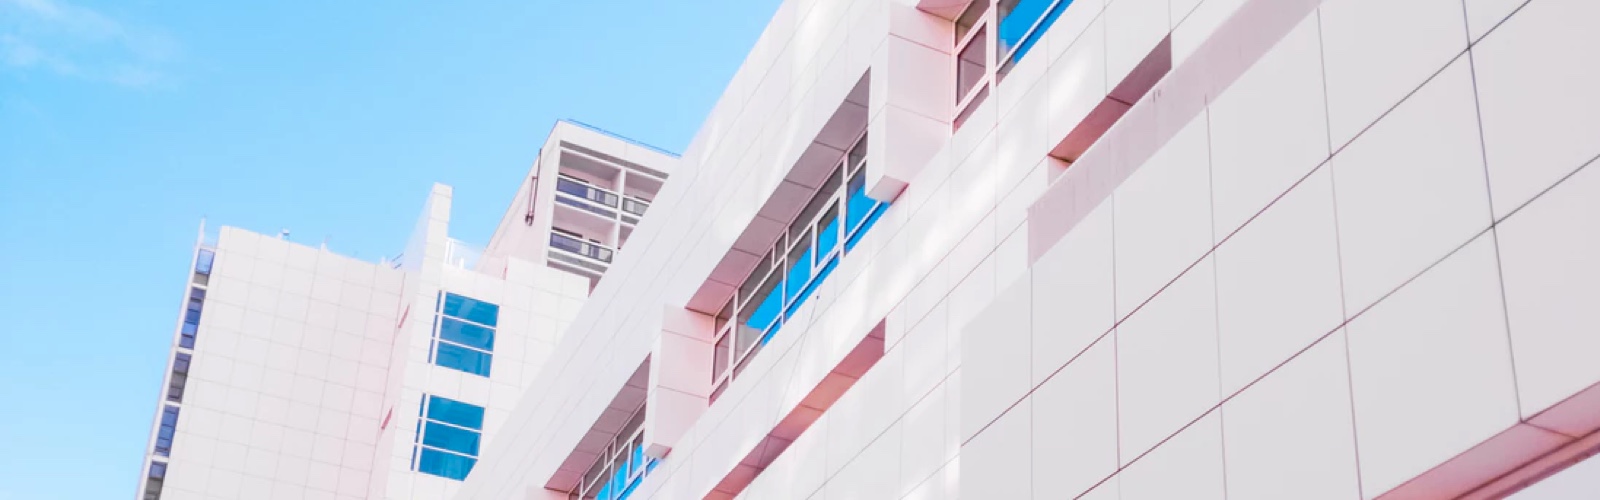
{"x":464,"y":334}
{"x":191,"y":317}
{"x":154,"y":480}
{"x":825,"y":231}
{"x":180,"y":377}
{"x":202,"y":266}
{"x":621,"y":466}
{"x":169,"y":427}
{"x":1022,"y":25}
{"x":449,"y":433}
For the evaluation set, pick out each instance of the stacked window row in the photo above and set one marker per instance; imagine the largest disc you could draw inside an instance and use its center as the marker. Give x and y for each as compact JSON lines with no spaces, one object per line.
{"x":449,"y":433}
{"x":827,"y":229}
{"x":463,"y":334}
{"x":178,"y":378}
{"x":621,"y":466}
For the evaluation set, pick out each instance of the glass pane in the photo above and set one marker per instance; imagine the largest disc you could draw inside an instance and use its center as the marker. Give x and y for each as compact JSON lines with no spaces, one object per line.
{"x":857,"y":154}
{"x":752,"y":284}
{"x":969,"y":17}
{"x":724,"y":315}
{"x":466,"y":334}
{"x":828,"y":236}
{"x":464,"y":359}
{"x":446,"y":465}
{"x":971,"y":65}
{"x":719,"y":360}
{"x":1023,"y":23}
{"x":799,"y":271}
{"x":767,"y":304}
{"x":821,"y":198}
{"x":450,"y":438}
{"x":203,"y":261}
{"x":455,"y":412}
{"x":471,"y":309}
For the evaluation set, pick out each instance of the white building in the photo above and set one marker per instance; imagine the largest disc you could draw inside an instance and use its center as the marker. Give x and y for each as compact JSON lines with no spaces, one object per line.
{"x":1099,"y":249}
{"x":1130,"y":249}
{"x":299,"y":373}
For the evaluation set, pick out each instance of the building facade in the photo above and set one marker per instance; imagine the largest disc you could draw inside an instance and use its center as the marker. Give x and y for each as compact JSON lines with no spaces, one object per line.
{"x":1098,"y":249}
{"x":1104,"y":249}
{"x":299,"y":373}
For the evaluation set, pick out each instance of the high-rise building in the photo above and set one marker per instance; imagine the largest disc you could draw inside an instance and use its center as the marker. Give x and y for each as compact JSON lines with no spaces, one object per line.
{"x":1100,"y":249}
{"x":300,"y":373}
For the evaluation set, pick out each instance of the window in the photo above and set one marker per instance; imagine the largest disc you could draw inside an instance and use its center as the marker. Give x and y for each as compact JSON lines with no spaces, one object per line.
{"x":154,"y":480}
{"x":191,"y":317}
{"x":1012,"y":27}
{"x":448,"y":435}
{"x":1022,"y":24}
{"x":169,"y":426}
{"x":972,"y":58}
{"x":464,"y":334}
{"x":621,"y":466}
{"x":202,"y":266}
{"x":827,"y":229}
{"x":180,"y":377}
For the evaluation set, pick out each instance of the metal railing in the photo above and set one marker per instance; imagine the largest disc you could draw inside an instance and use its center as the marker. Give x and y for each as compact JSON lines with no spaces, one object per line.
{"x":635,"y":206}
{"x":580,"y":247}
{"x":586,"y":192}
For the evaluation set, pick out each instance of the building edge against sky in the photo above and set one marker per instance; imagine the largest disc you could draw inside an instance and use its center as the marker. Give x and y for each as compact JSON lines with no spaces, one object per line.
{"x":299,"y":373}
{"x":1102,"y":249}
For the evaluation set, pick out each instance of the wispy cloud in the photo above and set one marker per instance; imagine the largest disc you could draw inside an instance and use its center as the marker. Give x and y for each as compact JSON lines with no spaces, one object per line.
{"x":78,"y":42}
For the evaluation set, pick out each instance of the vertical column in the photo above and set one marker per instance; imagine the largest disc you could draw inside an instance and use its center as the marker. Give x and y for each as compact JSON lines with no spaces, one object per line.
{"x":911,"y":97}
{"x":680,"y":378}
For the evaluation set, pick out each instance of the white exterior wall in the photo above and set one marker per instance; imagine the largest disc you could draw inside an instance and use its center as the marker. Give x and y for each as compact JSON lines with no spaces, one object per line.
{"x":286,"y":382}
{"x":1326,"y":255}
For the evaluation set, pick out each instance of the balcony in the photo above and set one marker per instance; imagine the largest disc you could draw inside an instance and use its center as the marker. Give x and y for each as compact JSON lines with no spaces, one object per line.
{"x":635,"y":206}
{"x":586,"y":197}
{"x":582,"y":248}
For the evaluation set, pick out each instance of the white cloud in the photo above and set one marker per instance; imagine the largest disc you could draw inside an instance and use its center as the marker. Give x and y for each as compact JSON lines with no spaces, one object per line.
{"x":78,"y":42}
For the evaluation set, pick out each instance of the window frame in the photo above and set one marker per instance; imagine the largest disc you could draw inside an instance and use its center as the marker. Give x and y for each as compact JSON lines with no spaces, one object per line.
{"x":800,"y":239}
{"x":419,"y":445}
{"x":439,"y":318}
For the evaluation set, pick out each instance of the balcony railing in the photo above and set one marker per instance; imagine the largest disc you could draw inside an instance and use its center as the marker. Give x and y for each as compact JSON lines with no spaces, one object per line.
{"x":587,"y":192}
{"x":635,"y":206}
{"x":580,"y":247}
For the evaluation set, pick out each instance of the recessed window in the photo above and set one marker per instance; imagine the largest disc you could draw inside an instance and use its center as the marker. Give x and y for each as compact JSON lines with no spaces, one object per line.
{"x":1022,"y":25}
{"x":621,"y":467}
{"x":191,"y":318}
{"x":826,"y":230}
{"x":179,"y":378}
{"x":153,"y":480}
{"x":1012,"y":28}
{"x":169,"y":427}
{"x":464,"y":334}
{"x":449,"y":433}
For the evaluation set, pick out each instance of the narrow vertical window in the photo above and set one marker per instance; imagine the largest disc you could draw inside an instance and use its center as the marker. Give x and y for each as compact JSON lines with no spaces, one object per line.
{"x":464,"y":331}
{"x":449,"y":434}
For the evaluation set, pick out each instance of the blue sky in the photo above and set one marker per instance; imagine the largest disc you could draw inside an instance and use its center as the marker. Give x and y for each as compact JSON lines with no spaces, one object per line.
{"x":123,"y":123}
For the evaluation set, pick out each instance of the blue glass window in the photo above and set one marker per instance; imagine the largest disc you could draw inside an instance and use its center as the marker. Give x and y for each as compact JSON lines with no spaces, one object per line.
{"x":1022,"y":25}
{"x":471,"y":309}
{"x":203,"y":261}
{"x":448,"y":437}
{"x":169,"y":427}
{"x":444,"y":464}
{"x":468,"y":360}
{"x":455,"y":412}
{"x":464,"y":334}
{"x":822,"y":234}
